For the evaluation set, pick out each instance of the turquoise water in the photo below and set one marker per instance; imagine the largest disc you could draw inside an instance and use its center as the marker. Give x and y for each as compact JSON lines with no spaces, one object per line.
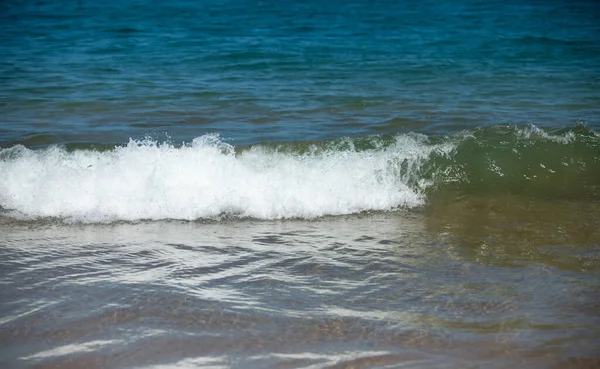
{"x":357,"y":184}
{"x":264,"y":71}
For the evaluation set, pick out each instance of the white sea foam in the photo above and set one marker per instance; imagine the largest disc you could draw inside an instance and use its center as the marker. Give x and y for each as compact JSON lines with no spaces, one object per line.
{"x":207,"y":179}
{"x":532,"y":131}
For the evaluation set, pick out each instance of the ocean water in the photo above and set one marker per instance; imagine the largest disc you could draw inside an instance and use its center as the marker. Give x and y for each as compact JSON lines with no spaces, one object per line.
{"x":315,"y":184}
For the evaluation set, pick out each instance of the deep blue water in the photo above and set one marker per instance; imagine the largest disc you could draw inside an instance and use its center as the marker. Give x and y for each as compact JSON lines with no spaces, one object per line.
{"x":301,"y":184}
{"x":264,"y":71}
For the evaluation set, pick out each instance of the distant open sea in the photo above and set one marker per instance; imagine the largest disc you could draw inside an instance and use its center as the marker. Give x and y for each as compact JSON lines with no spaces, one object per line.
{"x":300,"y":184}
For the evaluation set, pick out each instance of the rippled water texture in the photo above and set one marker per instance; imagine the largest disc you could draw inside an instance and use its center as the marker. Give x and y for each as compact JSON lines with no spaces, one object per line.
{"x":270,"y":71}
{"x":299,"y":184}
{"x":471,"y":285}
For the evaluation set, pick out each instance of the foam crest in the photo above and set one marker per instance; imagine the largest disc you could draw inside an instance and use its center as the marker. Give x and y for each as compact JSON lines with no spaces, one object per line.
{"x":207,"y":179}
{"x":533,"y":132}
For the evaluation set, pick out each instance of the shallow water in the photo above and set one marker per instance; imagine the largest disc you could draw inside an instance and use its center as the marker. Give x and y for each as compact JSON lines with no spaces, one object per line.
{"x":315,"y":184}
{"x":476,"y":283}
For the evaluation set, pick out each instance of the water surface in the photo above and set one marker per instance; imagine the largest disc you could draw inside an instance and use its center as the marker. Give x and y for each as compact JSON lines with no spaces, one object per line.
{"x":315,"y":184}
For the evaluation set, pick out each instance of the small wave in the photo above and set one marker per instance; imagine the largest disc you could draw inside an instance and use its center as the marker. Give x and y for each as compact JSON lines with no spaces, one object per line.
{"x":528,"y":161}
{"x":207,"y":179}
{"x":210,"y":179}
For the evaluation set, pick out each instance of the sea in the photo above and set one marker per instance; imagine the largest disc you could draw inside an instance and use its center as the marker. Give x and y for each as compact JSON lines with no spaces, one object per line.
{"x":299,"y":184}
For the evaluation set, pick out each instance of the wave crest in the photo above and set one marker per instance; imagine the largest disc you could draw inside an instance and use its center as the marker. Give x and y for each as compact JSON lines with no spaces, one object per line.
{"x":207,"y":179}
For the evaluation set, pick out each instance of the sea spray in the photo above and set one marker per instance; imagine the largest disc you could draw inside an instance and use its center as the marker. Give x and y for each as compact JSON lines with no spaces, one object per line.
{"x":207,"y":179}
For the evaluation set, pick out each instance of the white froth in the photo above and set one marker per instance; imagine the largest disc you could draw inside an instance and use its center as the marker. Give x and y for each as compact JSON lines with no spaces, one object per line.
{"x":206,"y":179}
{"x":532,"y":131}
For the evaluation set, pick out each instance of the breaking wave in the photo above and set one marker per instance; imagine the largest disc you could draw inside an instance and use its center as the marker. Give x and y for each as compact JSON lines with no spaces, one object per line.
{"x":210,"y":179}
